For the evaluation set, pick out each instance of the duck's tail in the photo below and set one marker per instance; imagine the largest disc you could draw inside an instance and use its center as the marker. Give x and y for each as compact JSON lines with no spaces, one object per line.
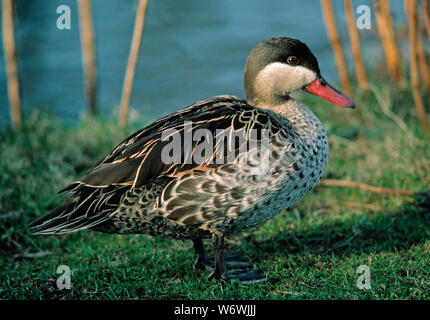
{"x":87,"y":208}
{"x":52,"y":221}
{"x":59,"y":220}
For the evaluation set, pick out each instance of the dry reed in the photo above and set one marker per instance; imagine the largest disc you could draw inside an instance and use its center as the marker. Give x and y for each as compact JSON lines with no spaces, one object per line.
{"x":355,"y":44}
{"x":386,"y":33}
{"x":410,"y":6}
{"x":131,"y":64}
{"x":88,"y":56}
{"x":11,"y":63}
{"x":333,"y":35}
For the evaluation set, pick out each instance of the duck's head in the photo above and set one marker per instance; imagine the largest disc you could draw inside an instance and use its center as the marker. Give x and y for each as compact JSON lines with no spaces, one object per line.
{"x":278,"y":66}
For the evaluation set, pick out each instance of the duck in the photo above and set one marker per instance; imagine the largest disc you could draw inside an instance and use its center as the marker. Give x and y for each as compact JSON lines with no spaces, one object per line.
{"x":213,"y":169}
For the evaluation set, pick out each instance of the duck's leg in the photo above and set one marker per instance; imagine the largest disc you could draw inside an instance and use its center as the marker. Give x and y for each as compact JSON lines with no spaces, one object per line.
{"x":219,"y":268}
{"x":202,"y":258}
{"x":219,"y":271}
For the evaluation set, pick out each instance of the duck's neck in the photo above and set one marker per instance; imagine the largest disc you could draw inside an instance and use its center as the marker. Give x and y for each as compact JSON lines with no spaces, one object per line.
{"x":305,"y":122}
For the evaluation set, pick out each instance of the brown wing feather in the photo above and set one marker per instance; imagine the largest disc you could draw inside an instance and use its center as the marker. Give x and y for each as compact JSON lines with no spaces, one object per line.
{"x":138,"y":158}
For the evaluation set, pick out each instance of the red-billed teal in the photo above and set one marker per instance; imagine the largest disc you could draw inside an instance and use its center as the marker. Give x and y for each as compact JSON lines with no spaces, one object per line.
{"x":202,"y":192}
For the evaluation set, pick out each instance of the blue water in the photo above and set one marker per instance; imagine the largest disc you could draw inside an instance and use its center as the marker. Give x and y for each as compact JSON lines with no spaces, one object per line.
{"x":191,"y":50}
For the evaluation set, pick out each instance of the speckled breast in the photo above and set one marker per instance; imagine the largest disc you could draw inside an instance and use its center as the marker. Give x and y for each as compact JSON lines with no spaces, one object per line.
{"x":295,"y":168}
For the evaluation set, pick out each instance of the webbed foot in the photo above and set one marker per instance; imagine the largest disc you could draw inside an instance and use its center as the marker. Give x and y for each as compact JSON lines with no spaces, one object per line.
{"x":248,"y":277}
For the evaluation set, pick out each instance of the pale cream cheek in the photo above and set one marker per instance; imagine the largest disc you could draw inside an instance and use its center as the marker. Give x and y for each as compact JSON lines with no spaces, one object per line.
{"x":279,"y":78}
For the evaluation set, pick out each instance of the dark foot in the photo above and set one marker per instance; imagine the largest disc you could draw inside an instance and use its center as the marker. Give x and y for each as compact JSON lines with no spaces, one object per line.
{"x":249,"y":277}
{"x":235,"y":261}
{"x":231,"y":261}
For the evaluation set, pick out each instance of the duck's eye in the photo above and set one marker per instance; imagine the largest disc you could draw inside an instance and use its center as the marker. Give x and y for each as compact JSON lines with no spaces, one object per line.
{"x":292,"y":60}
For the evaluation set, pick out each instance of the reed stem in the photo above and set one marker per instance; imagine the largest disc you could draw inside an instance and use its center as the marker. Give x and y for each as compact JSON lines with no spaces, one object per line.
{"x":131,"y":64}
{"x":88,"y":55}
{"x":11,"y":63}
{"x":355,"y":44}
{"x":410,"y":6}
{"x":385,"y":30}
{"x":423,"y":63}
{"x":426,"y":9}
{"x":333,"y":35}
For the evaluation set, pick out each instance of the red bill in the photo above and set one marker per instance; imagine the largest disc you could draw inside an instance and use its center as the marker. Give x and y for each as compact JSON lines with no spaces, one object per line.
{"x":321,"y":88}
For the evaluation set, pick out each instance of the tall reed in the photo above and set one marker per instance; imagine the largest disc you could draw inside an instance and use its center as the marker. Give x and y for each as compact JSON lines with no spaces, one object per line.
{"x":355,"y":44}
{"x":386,"y":33}
{"x":131,"y":64}
{"x":11,"y":63}
{"x":88,"y":55}
{"x":333,"y":35}
{"x":410,"y":7}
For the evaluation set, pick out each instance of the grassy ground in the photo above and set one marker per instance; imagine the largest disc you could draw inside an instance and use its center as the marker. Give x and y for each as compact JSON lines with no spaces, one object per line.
{"x":311,"y":251}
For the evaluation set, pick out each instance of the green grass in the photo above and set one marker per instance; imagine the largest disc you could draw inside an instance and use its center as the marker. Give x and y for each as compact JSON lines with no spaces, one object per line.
{"x":311,"y":251}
